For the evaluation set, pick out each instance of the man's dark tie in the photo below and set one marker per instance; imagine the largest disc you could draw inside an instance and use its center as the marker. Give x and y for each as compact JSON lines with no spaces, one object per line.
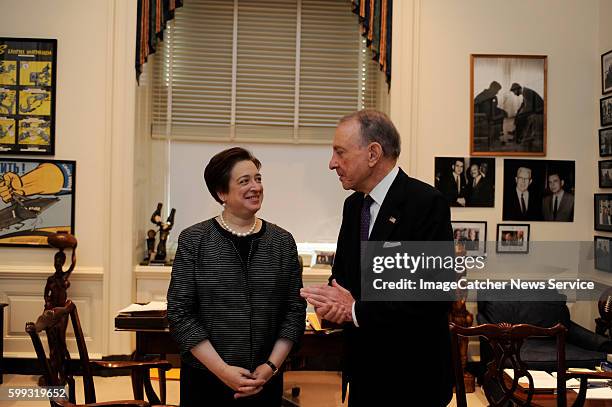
{"x":522,"y":204}
{"x":555,"y":208}
{"x":364,"y":229}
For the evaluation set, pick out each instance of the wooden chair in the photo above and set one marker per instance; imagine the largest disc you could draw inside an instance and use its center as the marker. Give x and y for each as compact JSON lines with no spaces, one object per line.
{"x":505,"y":341}
{"x":57,"y":368}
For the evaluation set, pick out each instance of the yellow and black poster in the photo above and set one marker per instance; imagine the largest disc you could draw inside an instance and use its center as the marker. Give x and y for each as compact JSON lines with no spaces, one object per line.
{"x":28,"y":70}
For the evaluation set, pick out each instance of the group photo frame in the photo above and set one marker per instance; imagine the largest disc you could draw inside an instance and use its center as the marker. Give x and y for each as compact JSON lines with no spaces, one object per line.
{"x":508,"y":105}
{"x":605,"y":142}
{"x":605,"y":111}
{"x":606,"y":72}
{"x":512,"y":238}
{"x":602,"y":210}
{"x":603,"y":259}
{"x":470,"y":237}
{"x":605,"y":174}
{"x":466,"y":181}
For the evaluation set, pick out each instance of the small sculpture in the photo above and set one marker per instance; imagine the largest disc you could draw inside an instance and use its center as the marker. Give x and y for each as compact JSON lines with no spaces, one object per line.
{"x":55,"y":290}
{"x":55,"y":294}
{"x":164,"y":231}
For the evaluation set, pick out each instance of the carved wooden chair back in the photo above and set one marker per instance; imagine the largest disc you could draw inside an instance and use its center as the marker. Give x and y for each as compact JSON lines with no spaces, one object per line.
{"x":506,"y":341}
{"x":57,"y":369}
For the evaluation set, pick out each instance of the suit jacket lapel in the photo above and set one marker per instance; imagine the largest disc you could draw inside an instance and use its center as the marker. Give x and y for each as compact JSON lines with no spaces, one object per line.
{"x":389,"y":215}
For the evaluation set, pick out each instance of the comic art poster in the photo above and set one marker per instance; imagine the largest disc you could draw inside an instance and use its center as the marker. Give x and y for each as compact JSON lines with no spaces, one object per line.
{"x":27,"y":95}
{"x":36,"y":199}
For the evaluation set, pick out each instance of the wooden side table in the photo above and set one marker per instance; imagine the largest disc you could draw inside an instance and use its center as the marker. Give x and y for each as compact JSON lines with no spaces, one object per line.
{"x":2,"y":305}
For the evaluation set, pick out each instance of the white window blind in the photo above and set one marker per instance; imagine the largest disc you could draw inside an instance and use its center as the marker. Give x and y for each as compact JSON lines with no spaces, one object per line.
{"x":260,"y":70}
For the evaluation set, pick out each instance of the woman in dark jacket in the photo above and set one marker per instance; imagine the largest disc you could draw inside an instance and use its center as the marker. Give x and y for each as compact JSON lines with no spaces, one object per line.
{"x":234,"y":302}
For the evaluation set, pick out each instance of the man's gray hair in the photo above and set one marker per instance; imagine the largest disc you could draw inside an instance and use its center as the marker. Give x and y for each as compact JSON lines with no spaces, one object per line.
{"x":376,"y":127}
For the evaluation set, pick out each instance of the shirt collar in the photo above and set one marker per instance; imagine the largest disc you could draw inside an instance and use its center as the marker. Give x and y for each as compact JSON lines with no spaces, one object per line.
{"x":525,"y":194}
{"x":379,"y":192}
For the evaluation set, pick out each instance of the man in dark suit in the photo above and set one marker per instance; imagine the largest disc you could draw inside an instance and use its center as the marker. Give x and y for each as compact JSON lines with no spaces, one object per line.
{"x":520,"y":203}
{"x":453,"y":183}
{"x":529,"y":117}
{"x":488,"y":117}
{"x":390,"y":345}
{"x":559,"y":205}
{"x":479,"y":189}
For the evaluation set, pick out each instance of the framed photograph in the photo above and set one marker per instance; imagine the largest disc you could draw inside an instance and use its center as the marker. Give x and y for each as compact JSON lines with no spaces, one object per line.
{"x":539,"y":190}
{"x":28,"y":70}
{"x":603,"y":212}
{"x":603,"y":260}
{"x":606,"y":72}
{"x":466,"y":181}
{"x":512,"y":238}
{"x":605,"y":111}
{"x":323,"y":259}
{"x":605,"y":142}
{"x":605,"y":174}
{"x":37,"y":199}
{"x":472,"y":235}
{"x":508,"y":105}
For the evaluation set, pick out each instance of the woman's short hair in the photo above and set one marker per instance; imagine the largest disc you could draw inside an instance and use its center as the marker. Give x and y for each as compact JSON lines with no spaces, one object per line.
{"x":217,"y":172}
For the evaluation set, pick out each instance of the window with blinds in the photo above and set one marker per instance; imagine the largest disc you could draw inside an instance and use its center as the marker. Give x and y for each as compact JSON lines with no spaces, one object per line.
{"x":260,"y":70}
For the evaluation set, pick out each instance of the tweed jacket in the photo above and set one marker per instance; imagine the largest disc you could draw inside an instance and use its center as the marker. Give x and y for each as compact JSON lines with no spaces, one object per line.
{"x":241,"y":308}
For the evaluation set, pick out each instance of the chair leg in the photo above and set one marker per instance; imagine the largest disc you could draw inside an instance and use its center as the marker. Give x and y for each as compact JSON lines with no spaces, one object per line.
{"x":137,"y":384}
{"x":162,"y":385}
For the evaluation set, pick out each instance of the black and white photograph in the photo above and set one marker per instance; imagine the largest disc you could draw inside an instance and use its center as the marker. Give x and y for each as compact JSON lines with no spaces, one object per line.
{"x":470,"y":237}
{"x":539,"y":190}
{"x":603,"y":212}
{"x":508,"y":105}
{"x":512,"y":238}
{"x":466,"y":181}
{"x":605,"y":142}
{"x":606,"y":72}
{"x":603,"y":260}
{"x":605,"y":174}
{"x":605,"y":111}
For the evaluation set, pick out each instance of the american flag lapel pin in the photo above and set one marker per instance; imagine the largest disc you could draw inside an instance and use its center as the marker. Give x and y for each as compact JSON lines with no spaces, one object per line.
{"x":392,"y":219}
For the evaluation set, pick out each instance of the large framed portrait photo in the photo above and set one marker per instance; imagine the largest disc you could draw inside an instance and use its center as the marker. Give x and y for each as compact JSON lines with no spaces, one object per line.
{"x":37,"y":199}
{"x":606,"y":72}
{"x":466,"y":181}
{"x":539,"y":190}
{"x":508,"y":105}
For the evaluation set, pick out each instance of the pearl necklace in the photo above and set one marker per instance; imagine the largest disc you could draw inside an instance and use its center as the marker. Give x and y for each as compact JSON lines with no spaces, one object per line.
{"x":233,"y":232}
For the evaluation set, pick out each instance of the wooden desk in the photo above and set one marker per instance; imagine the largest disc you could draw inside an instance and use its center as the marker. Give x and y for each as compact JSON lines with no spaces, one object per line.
{"x":159,"y":342}
{"x":2,"y":305}
{"x":550,"y":400}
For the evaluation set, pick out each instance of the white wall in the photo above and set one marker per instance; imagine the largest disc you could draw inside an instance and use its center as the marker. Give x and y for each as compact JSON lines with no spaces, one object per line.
{"x":565,"y":31}
{"x":81,"y":113}
{"x":95,"y":127}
